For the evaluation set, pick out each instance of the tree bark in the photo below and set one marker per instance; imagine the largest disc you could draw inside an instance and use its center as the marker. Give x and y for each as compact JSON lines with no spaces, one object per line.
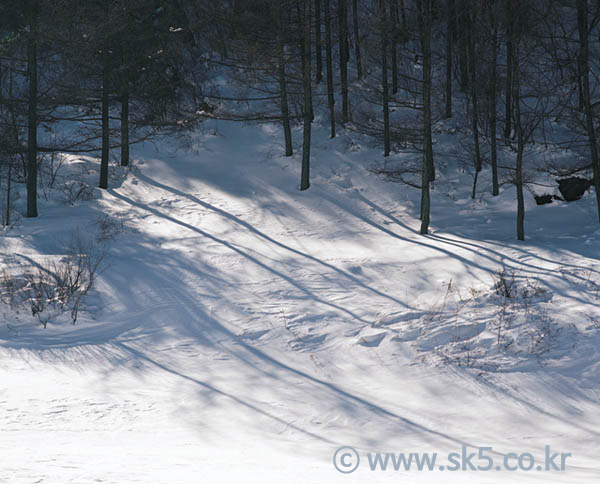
{"x":32,"y":120}
{"x":492,"y":102}
{"x":329,"y":61}
{"x":472,"y":18}
{"x":424,"y":13}
{"x":105,"y":113}
{"x":305,"y":176}
{"x":404,"y":21}
{"x":283,"y":96}
{"x":343,"y":39}
{"x":359,"y":70}
{"x":125,"y":127}
{"x":509,"y":67}
{"x":318,"y":43}
{"x":8,"y":189}
{"x":582,"y":16}
{"x":393,"y":48}
{"x":384,"y":77}
{"x":463,"y":44}
{"x":520,"y":146}
{"x":449,"y":34}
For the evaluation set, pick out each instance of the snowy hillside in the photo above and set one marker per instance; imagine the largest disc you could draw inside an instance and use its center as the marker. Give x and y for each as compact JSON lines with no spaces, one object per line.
{"x":240,"y":331}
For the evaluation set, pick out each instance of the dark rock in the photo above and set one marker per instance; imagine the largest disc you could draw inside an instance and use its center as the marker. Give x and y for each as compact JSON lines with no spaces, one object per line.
{"x":573,"y":188}
{"x":543,"y":199}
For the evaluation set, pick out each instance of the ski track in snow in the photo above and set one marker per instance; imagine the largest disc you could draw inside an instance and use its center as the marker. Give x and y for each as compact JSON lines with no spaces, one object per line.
{"x":243,"y":330}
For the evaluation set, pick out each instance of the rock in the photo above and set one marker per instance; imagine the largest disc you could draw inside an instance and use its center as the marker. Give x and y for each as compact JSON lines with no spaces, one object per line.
{"x":543,"y":199}
{"x":573,"y":188}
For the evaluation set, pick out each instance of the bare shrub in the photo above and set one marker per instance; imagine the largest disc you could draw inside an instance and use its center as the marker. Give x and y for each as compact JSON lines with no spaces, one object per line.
{"x":77,"y":190}
{"x":109,"y":227}
{"x":505,"y":283}
{"x":61,"y":286}
{"x":543,"y":333}
{"x":49,"y":166}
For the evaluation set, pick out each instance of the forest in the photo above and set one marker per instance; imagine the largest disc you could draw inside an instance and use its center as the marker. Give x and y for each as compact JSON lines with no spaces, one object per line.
{"x":516,"y":77}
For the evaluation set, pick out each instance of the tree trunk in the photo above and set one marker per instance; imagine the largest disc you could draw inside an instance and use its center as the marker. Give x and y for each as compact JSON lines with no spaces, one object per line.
{"x":404,"y":21}
{"x":32,"y":120}
{"x":520,"y":147}
{"x":318,"y":43}
{"x":492,"y":102}
{"x":449,"y":34}
{"x":463,"y":44}
{"x":424,"y":13}
{"x":509,"y":67}
{"x":329,"y":61}
{"x":285,"y":110}
{"x":125,"y":128}
{"x":472,"y":17}
{"x":359,"y":71}
{"x":394,"y":50}
{"x":305,"y":177}
{"x":105,"y":112}
{"x":384,"y":78}
{"x":8,"y":189}
{"x":343,"y":34}
{"x":582,"y":15}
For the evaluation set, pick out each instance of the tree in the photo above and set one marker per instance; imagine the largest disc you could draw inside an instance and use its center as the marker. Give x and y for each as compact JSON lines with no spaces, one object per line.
{"x":384,"y":77}
{"x":329,"y":61}
{"x":355,"y":24}
{"x":344,"y":54}
{"x":307,"y":86}
{"x":424,"y":8}
{"x":584,"y":27}
{"x":32,"y":121}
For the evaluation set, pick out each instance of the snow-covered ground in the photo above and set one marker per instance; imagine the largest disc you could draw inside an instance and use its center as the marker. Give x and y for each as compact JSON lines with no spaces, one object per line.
{"x":242,"y":330}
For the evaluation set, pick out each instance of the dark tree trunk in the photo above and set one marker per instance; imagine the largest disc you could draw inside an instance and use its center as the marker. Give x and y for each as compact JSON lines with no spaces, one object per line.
{"x":384,"y":78}
{"x":329,"y":61}
{"x":318,"y":43}
{"x":449,"y":35}
{"x":393,"y":49}
{"x":285,"y":110}
{"x":582,"y":16}
{"x":8,"y":189}
{"x":404,"y":21}
{"x":305,"y":176}
{"x":492,"y":102}
{"x":463,"y":44}
{"x":343,"y":34}
{"x":424,"y":13}
{"x":32,"y":120}
{"x":125,"y":128}
{"x":520,"y":146}
{"x":472,"y":38}
{"x":509,"y":67}
{"x":359,"y":71}
{"x":105,"y":113}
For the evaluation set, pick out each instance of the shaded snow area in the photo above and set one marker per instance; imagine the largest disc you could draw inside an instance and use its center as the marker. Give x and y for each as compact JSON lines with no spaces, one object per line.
{"x":240,"y":331}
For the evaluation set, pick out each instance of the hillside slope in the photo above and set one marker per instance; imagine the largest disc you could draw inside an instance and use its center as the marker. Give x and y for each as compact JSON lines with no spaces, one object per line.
{"x":242,"y":330}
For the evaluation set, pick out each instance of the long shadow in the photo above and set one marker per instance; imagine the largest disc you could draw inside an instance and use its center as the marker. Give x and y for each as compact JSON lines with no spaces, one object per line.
{"x":512,"y":247}
{"x":477,"y":249}
{"x":470,"y":242}
{"x":414,"y":241}
{"x":214,"y":389}
{"x":239,"y":251}
{"x":208,"y":323}
{"x":536,"y":408}
{"x":377,"y":409}
{"x":518,"y":264}
{"x":270,"y":239}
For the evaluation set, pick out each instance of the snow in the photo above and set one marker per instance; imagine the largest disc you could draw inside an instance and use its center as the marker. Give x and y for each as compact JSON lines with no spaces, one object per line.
{"x":242,"y":330}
